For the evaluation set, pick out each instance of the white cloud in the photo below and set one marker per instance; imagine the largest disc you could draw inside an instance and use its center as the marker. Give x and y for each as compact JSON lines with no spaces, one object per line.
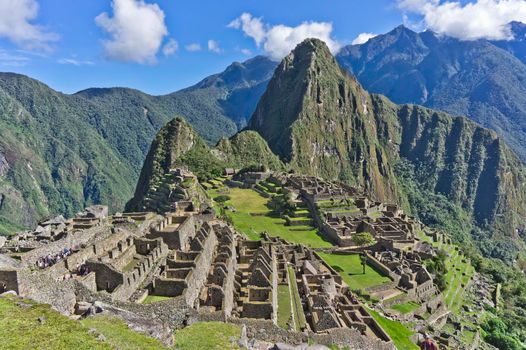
{"x":214,"y":46}
{"x":363,"y":38}
{"x":75,"y":62}
{"x":137,"y":30}
{"x":246,"y":52}
{"x":15,"y":24}
{"x":473,"y":20}
{"x":171,"y":47}
{"x":251,"y":26}
{"x":279,"y":40}
{"x":12,"y":60}
{"x":193,"y":47}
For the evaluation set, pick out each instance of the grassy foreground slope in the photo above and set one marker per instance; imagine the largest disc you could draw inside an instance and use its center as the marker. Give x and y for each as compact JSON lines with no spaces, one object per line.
{"x":25,"y":324}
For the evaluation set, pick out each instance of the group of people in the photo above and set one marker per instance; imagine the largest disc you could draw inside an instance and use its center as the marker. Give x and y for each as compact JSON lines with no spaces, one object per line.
{"x":52,"y":259}
{"x":83,"y":270}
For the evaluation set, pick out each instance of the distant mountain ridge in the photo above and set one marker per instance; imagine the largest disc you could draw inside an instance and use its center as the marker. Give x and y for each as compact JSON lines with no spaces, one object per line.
{"x":482,"y":79}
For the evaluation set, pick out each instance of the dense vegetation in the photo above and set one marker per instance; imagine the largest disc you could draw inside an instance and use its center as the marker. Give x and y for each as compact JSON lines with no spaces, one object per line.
{"x":507,"y":325}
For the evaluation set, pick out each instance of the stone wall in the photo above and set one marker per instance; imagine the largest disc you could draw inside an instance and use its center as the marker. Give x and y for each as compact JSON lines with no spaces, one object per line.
{"x":89,"y":281}
{"x":371,"y":260}
{"x":274,"y":289}
{"x":134,"y":278}
{"x":177,"y":239}
{"x":187,"y":231}
{"x":106,"y":277}
{"x":228,"y":285}
{"x":266,"y":330}
{"x":100,"y":247}
{"x":202,"y":265}
{"x":79,"y":239}
{"x":124,"y":258}
{"x":169,"y":287}
{"x":258,"y":310}
{"x":47,"y":290}
{"x":10,"y":279}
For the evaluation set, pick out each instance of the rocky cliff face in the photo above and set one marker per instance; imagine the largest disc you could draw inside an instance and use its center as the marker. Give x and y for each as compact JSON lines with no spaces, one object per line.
{"x":320,"y":121}
{"x":470,"y":165}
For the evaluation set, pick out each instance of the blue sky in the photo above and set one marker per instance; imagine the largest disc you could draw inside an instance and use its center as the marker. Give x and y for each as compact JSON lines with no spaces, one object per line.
{"x":151,"y":44}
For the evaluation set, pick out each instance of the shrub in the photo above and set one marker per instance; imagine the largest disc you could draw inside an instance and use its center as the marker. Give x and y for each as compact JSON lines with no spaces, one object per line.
{"x":222,"y":199}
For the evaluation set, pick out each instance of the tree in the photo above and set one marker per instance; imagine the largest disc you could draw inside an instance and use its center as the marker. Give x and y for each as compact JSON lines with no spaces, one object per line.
{"x":363,"y":261}
{"x":363,"y":239}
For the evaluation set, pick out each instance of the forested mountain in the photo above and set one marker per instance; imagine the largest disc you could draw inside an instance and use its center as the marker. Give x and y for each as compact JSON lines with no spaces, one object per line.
{"x":177,"y":144}
{"x":484,"y":80}
{"x":59,"y":153}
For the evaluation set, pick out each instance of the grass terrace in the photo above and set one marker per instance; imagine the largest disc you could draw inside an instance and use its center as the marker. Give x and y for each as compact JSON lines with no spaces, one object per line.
{"x":297,"y":308}
{"x":406,"y":308}
{"x":457,"y":278}
{"x":399,"y":333}
{"x":350,"y":268}
{"x":458,"y":275}
{"x":207,"y":335}
{"x":252,"y":216}
{"x":284,"y":306}
{"x":155,"y":298}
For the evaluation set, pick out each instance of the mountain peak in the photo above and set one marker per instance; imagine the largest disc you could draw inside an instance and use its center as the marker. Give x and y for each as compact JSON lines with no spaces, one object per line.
{"x":319,"y":120}
{"x":298,"y":78}
{"x":310,"y":48}
{"x":518,"y":30}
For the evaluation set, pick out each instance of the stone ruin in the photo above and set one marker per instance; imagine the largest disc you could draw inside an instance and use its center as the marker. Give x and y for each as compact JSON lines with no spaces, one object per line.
{"x":199,"y":264}
{"x":397,"y":253}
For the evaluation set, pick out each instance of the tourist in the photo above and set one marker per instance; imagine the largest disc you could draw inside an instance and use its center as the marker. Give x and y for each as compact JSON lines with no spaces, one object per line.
{"x":428,"y":344}
{"x":83,"y":271}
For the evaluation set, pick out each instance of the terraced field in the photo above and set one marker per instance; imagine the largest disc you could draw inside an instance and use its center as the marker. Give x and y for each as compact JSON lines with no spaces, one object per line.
{"x":284,"y":306}
{"x":251,"y":216}
{"x":351,"y":270}
{"x":459,"y":273}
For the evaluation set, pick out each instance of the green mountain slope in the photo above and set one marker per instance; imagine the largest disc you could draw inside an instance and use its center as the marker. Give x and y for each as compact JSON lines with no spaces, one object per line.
{"x":178,"y":145}
{"x":319,"y":120}
{"x":55,"y":162}
{"x":59,"y":153}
